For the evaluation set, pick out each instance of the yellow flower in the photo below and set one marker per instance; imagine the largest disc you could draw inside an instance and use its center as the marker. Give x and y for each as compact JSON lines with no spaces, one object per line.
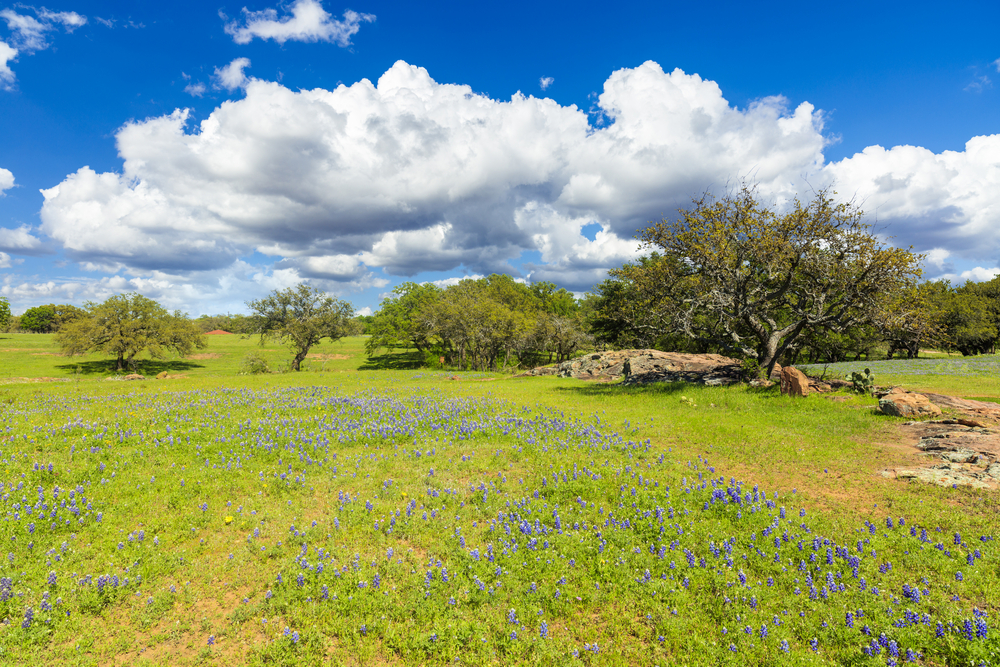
{"x":229,"y":520}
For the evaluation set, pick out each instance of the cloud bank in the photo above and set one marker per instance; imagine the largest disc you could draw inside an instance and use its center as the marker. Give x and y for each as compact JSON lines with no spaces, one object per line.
{"x":408,"y":175}
{"x":930,"y":200}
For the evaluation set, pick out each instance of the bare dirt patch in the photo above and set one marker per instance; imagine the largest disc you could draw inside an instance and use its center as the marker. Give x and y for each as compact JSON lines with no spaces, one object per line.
{"x":204,"y":355}
{"x":20,"y":380}
{"x":326,"y":357}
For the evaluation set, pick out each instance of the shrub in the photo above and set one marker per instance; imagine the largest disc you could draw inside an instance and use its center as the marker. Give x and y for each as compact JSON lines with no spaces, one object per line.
{"x":254,"y":363}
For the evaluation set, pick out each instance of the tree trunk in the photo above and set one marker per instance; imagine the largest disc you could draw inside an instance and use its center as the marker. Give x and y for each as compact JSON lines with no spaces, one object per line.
{"x":297,"y":360}
{"x":121,"y":362}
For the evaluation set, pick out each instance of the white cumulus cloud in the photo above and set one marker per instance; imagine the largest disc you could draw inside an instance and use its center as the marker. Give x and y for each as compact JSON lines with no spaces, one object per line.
{"x":308,"y":22}
{"x":977,"y":274}
{"x":19,"y":240}
{"x":545,"y":82}
{"x":409,"y":175}
{"x":7,"y":54}
{"x":6,"y":177}
{"x":196,"y":89}
{"x":930,"y":200}
{"x":231,"y":76}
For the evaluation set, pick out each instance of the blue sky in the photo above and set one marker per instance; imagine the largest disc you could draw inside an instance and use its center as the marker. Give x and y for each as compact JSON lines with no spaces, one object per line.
{"x":206,"y":154}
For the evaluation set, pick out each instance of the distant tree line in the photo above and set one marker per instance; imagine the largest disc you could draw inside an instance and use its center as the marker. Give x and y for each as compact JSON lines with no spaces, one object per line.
{"x":480,"y":324}
{"x":49,"y":318}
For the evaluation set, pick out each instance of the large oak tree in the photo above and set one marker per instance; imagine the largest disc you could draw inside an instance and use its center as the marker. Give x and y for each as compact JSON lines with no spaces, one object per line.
{"x":752,"y":279}
{"x":127,"y":325}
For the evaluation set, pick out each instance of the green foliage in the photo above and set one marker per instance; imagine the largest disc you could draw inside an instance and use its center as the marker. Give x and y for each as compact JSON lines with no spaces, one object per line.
{"x":237,"y":324}
{"x":970,"y":325}
{"x":966,"y":319}
{"x":555,"y":300}
{"x":485,"y":324}
{"x":300,"y":317}
{"x":398,"y":322}
{"x":496,"y":322}
{"x":253,"y":363}
{"x":863,"y":383}
{"x":127,"y":325}
{"x":48,"y":318}
{"x":750,"y":369}
{"x":38,"y":319}
{"x":4,"y":313}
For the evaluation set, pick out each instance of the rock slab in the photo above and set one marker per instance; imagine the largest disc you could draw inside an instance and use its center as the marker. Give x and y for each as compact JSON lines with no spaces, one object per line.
{"x":907,"y":405}
{"x":651,"y":366}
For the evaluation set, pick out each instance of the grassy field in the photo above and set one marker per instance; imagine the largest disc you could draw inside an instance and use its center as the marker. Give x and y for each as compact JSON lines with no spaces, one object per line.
{"x":351,"y":516}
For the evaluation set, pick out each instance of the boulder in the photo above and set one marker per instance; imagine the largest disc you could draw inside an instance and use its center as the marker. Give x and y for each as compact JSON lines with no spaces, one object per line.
{"x":134,"y":376}
{"x":907,"y":405}
{"x":652,"y":366}
{"x":794,"y":382}
{"x":162,"y":375}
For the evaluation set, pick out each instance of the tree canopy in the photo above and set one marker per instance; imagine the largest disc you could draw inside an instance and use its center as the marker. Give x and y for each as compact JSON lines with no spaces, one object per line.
{"x":300,"y":317}
{"x":398,"y":322}
{"x":750,"y":280}
{"x":4,"y":313}
{"x":483,"y":323}
{"x":127,"y":325}
{"x":48,"y":318}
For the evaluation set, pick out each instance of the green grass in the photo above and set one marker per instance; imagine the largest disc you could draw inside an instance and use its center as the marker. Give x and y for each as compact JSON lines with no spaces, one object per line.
{"x":969,"y":377}
{"x":294,"y":459}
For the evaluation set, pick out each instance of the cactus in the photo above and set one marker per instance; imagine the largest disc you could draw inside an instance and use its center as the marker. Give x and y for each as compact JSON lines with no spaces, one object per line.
{"x":863,"y":383}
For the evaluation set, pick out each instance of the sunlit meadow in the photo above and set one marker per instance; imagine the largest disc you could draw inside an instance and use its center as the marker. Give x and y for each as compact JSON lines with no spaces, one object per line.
{"x":410,"y":518}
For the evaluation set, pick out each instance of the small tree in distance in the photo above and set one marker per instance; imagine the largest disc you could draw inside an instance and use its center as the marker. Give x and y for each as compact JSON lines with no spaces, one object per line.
{"x":300,"y":317}
{"x":126,"y":325}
